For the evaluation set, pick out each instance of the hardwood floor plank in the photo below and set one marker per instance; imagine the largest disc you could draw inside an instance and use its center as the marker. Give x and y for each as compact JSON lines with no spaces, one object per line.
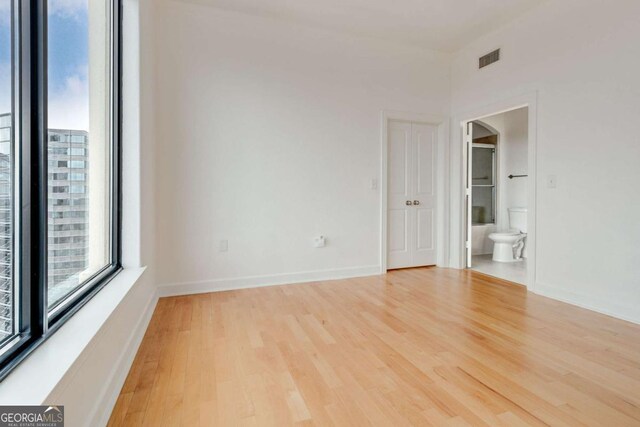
{"x":421,"y":346}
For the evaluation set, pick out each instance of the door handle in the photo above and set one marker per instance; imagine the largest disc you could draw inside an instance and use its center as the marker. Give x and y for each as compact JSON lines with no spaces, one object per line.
{"x":416,"y":202}
{"x":408,"y":203}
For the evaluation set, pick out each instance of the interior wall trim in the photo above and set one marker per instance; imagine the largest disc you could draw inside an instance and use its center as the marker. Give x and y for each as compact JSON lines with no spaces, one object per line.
{"x":228,"y":284}
{"x":611,"y":308}
{"x":105,"y":403}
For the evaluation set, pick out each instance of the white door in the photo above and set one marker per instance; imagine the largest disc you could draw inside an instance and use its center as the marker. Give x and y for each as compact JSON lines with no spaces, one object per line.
{"x":411,"y":195}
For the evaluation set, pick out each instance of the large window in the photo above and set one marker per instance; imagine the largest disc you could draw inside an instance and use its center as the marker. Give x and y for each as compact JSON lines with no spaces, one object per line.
{"x":59,"y":164}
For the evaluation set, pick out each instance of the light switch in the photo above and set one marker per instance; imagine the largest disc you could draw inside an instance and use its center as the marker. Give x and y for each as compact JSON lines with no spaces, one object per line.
{"x":552,"y":181}
{"x":374,"y":184}
{"x":224,"y":245}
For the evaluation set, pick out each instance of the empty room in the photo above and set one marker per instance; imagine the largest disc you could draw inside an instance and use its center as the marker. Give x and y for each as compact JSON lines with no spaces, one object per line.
{"x":330,"y":213}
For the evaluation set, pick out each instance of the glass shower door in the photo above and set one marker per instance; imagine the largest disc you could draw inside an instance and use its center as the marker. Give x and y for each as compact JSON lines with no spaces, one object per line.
{"x":483,"y":182}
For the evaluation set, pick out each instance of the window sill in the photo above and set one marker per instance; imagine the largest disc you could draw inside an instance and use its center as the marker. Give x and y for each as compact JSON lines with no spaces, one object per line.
{"x":39,"y":374}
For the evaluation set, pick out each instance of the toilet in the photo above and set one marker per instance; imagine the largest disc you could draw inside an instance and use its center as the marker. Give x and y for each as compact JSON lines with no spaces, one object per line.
{"x":509,"y":245}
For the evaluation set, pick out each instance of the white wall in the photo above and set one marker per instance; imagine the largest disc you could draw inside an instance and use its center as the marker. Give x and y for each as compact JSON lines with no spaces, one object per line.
{"x":514,"y":161}
{"x":268,"y":135}
{"x":583,"y":59}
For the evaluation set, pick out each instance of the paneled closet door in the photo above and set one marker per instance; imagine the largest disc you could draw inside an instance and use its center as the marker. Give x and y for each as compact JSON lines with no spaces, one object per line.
{"x":411,"y":192}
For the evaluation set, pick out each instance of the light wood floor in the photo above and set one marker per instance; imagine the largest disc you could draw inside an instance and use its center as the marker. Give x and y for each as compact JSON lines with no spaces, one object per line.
{"x":414,"y":347}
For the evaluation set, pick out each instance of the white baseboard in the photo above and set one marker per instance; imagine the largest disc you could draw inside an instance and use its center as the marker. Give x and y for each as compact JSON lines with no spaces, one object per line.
{"x":630,"y":313}
{"x":107,"y":400}
{"x":216,"y":285}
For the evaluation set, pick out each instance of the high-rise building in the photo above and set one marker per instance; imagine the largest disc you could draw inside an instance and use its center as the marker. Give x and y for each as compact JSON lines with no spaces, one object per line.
{"x":68,"y":221}
{"x":68,"y":217}
{"x":6,"y":235}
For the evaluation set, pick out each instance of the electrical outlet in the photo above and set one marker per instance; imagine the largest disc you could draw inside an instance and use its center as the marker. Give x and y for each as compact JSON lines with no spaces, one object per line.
{"x":552,"y":181}
{"x":224,"y":245}
{"x":319,"y":242}
{"x":374,"y":184}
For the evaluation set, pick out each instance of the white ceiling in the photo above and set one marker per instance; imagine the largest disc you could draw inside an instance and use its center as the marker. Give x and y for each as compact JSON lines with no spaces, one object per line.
{"x":445,"y":25}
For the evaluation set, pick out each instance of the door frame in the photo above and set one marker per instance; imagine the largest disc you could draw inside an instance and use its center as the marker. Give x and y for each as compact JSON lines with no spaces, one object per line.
{"x":441,"y":176}
{"x":458,"y":187}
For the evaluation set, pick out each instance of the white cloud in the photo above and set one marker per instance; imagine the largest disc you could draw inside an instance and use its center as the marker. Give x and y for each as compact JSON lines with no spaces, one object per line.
{"x":67,"y":8}
{"x":69,"y":104}
{"x":5,"y":12}
{"x":69,"y":100}
{"x":5,"y":67}
{"x":5,"y":88}
{"x":63,"y":8}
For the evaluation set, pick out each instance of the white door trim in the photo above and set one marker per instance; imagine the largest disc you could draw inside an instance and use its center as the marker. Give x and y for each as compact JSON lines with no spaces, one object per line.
{"x":458,"y":171}
{"x":442,"y":174}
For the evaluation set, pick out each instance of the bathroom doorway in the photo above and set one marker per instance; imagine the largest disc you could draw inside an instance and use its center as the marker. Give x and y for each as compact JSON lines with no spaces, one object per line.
{"x":498,"y":195}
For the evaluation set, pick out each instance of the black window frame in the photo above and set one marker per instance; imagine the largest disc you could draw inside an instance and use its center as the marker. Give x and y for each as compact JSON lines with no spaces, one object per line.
{"x":36,"y":324}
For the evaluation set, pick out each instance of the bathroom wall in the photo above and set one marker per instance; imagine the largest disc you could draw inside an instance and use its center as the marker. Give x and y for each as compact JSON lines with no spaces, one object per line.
{"x":480,"y":131}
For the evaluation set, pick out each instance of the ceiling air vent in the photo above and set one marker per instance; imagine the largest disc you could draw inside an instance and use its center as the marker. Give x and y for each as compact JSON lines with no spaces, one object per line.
{"x":489,"y":58}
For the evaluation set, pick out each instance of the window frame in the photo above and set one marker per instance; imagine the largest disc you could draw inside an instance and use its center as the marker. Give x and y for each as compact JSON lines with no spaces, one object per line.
{"x":36,"y":321}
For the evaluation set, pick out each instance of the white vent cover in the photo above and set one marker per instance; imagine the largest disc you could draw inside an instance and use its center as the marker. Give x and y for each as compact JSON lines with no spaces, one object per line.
{"x":489,"y":58}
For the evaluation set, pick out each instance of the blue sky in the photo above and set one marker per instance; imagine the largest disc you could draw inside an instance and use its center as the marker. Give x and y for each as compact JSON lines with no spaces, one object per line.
{"x":68,"y":63}
{"x":5,"y":54}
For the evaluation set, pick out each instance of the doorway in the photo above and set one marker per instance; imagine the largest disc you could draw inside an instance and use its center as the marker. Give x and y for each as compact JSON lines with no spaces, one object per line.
{"x":411,"y":194}
{"x":497,"y":202}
